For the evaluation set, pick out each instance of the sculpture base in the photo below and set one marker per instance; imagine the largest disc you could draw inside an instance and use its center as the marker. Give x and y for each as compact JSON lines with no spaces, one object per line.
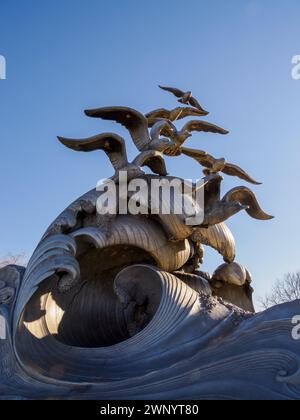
{"x":189,"y":345}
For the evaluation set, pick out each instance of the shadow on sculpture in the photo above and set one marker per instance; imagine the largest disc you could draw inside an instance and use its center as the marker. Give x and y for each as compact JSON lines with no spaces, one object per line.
{"x":117,"y":307}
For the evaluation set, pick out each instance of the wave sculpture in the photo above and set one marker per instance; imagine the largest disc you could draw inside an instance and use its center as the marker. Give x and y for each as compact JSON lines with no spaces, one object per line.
{"x":117,"y":307}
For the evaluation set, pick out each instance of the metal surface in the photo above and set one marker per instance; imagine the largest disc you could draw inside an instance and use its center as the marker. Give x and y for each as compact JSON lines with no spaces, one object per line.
{"x":116,"y":306}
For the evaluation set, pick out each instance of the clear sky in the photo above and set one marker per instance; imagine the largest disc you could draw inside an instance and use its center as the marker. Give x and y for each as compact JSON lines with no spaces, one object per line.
{"x":67,"y":55}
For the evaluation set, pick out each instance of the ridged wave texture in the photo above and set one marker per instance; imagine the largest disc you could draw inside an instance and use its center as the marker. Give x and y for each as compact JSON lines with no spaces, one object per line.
{"x":195,"y":347}
{"x":127,"y":328}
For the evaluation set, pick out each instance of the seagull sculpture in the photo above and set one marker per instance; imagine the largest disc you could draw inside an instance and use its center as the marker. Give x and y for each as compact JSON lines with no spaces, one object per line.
{"x":179,"y":137}
{"x":115,"y":148}
{"x":218,"y":165}
{"x":173,"y":115}
{"x":236,"y":200}
{"x":247,"y":198}
{"x":185,"y":97}
{"x":218,"y":210}
{"x":137,"y":125}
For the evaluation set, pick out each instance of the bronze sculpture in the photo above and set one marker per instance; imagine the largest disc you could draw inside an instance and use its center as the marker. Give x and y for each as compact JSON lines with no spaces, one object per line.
{"x":179,"y":137}
{"x":185,"y":97}
{"x":173,"y":115}
{"x":129,"y":314}
{"x":115,"y":148}
{"x":218,"y":165}
{"x":137,"y":124}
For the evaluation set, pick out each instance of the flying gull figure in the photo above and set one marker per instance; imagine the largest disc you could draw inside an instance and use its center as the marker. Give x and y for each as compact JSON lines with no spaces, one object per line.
{"x":236,"y":200}
{"x":185,"y":97}
{"x":219,"y":210}
{"x":247,"y":198}
{"x":115,"y":148}
{"x":173,"y":115}
{"x":179,"y":137}
{"x":137,"y":125}
{"x":218,"y":165}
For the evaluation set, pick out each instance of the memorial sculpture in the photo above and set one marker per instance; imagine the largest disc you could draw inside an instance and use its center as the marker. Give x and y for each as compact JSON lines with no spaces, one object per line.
{"x":186,"y":98}
{"x":118,"y":307}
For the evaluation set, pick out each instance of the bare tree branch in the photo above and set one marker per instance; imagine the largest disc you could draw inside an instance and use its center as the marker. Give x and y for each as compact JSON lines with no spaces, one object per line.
{"x":285,"y":290}
{"x":11,"y":259}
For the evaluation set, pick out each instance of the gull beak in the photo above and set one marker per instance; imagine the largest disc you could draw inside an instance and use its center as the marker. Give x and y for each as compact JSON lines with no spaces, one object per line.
{"x":244,"y":207}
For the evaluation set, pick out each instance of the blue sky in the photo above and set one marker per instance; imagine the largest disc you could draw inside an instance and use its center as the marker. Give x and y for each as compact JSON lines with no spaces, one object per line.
{"x":67,"y":55}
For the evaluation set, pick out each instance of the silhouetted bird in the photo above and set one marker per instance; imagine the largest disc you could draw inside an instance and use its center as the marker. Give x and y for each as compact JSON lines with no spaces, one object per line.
{"x":185,"y":97}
